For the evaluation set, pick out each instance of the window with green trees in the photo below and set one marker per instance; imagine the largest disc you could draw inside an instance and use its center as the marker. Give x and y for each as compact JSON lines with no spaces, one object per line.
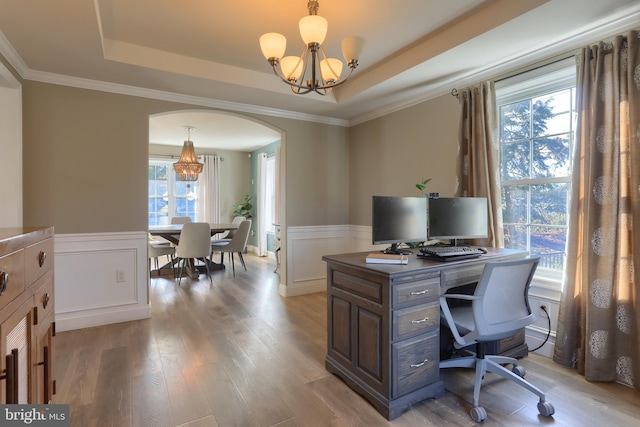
{"x":536,"y":139}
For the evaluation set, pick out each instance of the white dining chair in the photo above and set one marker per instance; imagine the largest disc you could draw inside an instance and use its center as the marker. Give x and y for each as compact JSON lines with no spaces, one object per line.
{"x":227,"y":235}
{"x":157,"y":249}
{"x":180,"y":219}
{"x":194,"y":244}
{"x":236,"y":245}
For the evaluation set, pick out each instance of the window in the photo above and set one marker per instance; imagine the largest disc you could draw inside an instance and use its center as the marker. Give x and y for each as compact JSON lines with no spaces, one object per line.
{"x":537,"y":120}
{"x":168,"y":196}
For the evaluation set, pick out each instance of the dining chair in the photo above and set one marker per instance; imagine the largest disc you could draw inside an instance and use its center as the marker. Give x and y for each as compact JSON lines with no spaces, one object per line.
{"x":236,"y":245}
{"x":194,"y":244}
{"x":180,"y":219}
{"x":227,"y":235}
{"x":499,"y":309}
{"x":157,"y":249}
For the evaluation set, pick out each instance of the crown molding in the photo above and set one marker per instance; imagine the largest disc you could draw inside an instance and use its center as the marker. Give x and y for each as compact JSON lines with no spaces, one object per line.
{"x":625,"y":20}
{"x":121,"y":89}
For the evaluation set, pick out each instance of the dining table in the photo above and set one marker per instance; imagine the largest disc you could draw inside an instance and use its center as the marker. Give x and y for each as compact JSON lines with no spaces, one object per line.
{"x":171,"y":233}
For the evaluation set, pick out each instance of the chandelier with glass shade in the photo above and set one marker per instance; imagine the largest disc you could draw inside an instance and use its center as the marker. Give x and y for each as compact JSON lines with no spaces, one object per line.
{"x":188,"y":167}
{"x":324,"y":73}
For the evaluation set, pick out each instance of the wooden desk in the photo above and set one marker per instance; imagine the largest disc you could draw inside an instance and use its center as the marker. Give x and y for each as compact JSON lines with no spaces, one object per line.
{"x":171,"y":232}
{"x":383,"y":324}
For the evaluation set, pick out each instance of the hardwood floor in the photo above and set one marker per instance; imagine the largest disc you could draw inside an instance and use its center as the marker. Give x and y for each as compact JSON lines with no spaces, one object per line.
{"x":235,"y":353}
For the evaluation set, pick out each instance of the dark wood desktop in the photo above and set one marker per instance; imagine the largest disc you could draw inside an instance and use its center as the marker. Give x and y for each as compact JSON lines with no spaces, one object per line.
{"x":383,"y":324}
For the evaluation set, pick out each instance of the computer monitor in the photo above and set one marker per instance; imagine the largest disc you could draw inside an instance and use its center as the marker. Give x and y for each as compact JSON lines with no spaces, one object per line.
{"x":397,"y":220}
{"x":453,"y":218}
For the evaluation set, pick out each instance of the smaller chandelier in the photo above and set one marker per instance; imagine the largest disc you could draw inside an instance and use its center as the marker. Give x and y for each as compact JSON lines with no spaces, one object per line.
{"x":188,"y":167}
{"x":291,"y":69}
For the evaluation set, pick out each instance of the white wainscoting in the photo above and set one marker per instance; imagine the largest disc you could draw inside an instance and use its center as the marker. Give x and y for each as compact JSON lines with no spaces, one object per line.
{"x":306,"y":271}
{"x":100,"y":278}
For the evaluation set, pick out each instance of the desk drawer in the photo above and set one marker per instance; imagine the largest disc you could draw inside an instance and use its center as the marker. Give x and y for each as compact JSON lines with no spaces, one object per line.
{"x":38,"y":260}
{"x":461,"y":276}
{"x":414,"y":321}
{"x":412,"y":293}
{"x":43,"y":298}
{"x":415,"y":363}
{"x":11,"y":277}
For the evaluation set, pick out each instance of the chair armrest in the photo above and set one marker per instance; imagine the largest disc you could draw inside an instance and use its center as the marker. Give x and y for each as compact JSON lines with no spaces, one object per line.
{"x":459,"y":296}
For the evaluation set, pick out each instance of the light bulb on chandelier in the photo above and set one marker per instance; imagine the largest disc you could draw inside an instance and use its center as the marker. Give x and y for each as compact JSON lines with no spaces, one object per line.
{"x":325,"y":72}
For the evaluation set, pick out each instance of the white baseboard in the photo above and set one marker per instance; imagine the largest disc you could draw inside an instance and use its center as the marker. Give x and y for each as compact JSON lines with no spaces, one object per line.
{"x":79,"y":320}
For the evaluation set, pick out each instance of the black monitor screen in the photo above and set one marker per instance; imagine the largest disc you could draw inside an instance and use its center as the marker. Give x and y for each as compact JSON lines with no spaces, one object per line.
{"x":398,"y":220}
{"x":458,"y":218}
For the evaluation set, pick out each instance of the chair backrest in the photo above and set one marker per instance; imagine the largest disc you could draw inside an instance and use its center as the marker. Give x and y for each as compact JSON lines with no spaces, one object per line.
{"x":180,"y":219}
{"x":195,"y":240}
{"x":502,"y":305}
{"x":236,"y":221}
{"x":240,"y":237}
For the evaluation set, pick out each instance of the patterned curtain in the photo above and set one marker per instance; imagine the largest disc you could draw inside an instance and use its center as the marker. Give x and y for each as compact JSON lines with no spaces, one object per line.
{"x":478,"y":160}
{"x":599,"y":322}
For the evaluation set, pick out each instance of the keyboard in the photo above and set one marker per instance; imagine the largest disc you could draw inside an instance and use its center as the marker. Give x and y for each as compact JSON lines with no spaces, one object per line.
{"x":449,"y":253}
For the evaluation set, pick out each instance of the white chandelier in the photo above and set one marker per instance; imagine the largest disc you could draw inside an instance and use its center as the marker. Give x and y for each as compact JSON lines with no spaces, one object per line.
{"x":291,"y":69}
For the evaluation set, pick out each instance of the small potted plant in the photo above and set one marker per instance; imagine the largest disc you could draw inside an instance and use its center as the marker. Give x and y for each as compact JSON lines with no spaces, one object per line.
{"x":244,"y":208}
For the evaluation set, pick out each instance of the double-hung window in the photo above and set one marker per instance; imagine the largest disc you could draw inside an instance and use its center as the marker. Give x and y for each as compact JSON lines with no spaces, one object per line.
{"x":537,"y":118}
{"x":168,"y":196}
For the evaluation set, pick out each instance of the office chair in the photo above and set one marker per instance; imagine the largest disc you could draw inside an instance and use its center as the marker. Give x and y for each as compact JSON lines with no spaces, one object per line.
{"x":499,"y":309}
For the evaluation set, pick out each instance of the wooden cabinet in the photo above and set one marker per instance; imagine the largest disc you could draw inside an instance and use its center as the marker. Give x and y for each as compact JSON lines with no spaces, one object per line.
{"x":383,"y":324}
{"x":27,"y":326}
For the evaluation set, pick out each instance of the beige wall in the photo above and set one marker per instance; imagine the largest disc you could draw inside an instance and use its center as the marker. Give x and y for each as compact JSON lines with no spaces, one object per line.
{"x":85,"y":157}
{"x":389,"y":155}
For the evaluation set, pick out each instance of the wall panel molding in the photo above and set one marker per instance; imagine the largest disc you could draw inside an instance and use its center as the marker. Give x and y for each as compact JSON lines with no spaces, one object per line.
{"x":100,"y":278}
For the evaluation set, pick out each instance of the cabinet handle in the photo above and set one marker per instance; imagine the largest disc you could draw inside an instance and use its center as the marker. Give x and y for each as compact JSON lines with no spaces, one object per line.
{"x":45,"y":300}
{"x":11,"y":377}
{"x":419,"y":365}
{"x":45,"y":363}
{"x":4,"y":281}
{"x":41,"y":257}
{"x":420,"y":292}
{"x":420,"y":321}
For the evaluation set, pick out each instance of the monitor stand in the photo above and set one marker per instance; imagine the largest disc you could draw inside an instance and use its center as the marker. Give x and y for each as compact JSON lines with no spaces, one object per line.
{"x":393,"y":249}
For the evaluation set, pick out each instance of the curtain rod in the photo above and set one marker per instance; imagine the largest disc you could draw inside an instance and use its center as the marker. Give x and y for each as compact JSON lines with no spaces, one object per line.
{"x":454,"y":91}
{"x":169,"y":156}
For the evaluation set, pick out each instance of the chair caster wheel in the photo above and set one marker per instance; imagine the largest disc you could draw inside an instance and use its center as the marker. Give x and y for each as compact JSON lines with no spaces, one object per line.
{"x":519,"y":371}
{"x":546,"y":409}
{"x":478,"y":414}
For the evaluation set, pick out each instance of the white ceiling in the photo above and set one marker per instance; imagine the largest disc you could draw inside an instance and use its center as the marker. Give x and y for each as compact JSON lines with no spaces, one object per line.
{"x":206,"y":52}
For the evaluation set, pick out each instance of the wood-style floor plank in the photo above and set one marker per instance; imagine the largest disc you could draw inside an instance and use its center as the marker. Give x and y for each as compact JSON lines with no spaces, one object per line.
{"x":235,"y":353}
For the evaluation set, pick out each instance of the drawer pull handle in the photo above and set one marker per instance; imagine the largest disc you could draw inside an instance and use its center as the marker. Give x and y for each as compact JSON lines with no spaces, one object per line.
{"x":45,"y":300}
{"x":420,"y":292}
{"x":4,"y":281}
{"x":419,"y":365}
{"x":41,"y":257}
{"x":419,"y":321}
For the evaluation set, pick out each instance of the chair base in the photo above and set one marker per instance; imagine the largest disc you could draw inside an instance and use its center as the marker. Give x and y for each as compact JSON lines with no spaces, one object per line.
{"x":494,"y":363}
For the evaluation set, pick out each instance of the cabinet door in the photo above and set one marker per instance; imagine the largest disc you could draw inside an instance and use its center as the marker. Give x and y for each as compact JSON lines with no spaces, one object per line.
{"x":15,"y":352}
{"x":44,"y":388}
